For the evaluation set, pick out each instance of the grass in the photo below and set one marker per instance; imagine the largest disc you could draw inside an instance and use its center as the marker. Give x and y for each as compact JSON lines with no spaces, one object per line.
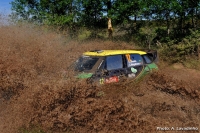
{"x":84,"y":34}
{"x":192,"y":63}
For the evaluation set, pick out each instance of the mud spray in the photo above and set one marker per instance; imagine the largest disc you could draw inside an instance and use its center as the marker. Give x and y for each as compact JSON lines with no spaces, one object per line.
{"x":37,"y":89}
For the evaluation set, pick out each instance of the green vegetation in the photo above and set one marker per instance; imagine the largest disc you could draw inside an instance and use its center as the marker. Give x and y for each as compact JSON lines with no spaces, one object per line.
{"x":169,"y":25}
{"x":181,"y":50}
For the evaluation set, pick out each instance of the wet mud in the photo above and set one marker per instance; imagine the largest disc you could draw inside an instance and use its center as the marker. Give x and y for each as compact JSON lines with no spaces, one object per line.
{"x":37,"y":88}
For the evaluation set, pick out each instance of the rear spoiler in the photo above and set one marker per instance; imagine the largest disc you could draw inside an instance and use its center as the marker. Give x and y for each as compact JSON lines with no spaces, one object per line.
{"x":154,"y":55}
{"x":151,"y":53}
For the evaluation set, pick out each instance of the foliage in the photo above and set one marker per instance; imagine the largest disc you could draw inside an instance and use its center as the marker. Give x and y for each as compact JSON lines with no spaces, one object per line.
{"x":180,"y":51}
{"x":192,"y":63}
{"x":148,"y":34}
{"x":90,"y":12}
{"x":148,"y":22}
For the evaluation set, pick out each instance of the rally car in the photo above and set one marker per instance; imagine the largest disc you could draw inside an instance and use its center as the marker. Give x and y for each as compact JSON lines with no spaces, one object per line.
{"x":106,"y":66}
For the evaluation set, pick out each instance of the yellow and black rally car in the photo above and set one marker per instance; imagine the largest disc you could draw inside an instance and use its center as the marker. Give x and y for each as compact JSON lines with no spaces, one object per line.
{"x":106,"y":66}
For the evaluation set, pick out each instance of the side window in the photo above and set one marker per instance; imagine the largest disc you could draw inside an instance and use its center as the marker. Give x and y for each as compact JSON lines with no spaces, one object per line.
{"x":134,"y":60}
{"x":114,"y":62}
{"x":147,"y":59}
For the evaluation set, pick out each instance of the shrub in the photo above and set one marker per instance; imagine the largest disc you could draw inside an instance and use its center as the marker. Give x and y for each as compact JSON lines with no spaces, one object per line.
{"x":178,"y":52}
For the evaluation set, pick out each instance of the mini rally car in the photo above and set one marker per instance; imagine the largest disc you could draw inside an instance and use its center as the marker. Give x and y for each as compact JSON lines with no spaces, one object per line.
{"x":106,"y":66}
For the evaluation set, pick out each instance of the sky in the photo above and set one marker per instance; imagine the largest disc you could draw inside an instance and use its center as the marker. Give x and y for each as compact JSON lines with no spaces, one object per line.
{"x":5,"y":7}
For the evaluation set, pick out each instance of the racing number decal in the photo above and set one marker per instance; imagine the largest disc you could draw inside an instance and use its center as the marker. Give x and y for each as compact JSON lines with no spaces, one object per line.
{"x":128,"y":57}
{"x":101,"y":81}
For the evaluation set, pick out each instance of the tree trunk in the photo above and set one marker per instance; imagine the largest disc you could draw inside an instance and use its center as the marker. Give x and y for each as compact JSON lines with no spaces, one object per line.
{"x":109,"y":6}
{"x":196,"y":18}
{"x":110,"y":29}
{"x":198,"y":51}
{"x":168,"y":25}
{"x":193,"y":17}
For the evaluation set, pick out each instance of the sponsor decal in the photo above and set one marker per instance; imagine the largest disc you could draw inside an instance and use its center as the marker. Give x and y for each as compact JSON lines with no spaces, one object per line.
{"x":132,"y":75}
{"x":133,"y":64}
{"x":112,"y":79}
{"x":133,"y":70}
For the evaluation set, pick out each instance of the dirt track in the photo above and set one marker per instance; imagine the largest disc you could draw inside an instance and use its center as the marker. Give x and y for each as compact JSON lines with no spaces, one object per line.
{"x":36,"y":89}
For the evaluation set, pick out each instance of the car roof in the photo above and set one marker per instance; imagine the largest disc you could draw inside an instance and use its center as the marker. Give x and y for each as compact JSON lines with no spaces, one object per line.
{"x":113,"y":52}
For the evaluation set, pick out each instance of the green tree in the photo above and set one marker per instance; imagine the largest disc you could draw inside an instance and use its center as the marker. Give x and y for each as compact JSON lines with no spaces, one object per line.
{"x":176,"y":14}
{"x":56,"y":12}
{"x":24,"y":9}
{"x":92,"y":12}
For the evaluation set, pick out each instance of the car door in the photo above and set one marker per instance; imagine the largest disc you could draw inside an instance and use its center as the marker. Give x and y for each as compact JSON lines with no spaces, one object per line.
{"x":115,"y":68}
{"x":111,"y":69}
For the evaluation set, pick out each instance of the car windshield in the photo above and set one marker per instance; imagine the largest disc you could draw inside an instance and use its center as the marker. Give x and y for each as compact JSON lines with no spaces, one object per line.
{"x":85,"y":63}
